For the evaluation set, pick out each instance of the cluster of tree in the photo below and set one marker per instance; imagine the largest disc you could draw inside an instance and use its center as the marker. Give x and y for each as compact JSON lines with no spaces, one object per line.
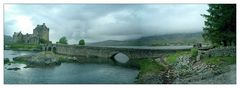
{"x":81,"y":42}
{"x":63,"y":40}
{"x":220,"y":24}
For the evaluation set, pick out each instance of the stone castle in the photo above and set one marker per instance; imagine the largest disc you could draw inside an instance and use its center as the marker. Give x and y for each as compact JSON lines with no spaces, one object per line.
{"x":40,"y":36}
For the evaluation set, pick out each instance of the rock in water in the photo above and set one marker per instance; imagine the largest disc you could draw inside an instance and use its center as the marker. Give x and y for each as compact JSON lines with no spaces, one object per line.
{"x":15,"y":69}
{"x":40,"y":59}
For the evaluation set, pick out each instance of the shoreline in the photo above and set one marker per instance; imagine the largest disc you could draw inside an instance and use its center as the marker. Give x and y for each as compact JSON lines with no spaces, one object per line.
{"x":174,"y":68}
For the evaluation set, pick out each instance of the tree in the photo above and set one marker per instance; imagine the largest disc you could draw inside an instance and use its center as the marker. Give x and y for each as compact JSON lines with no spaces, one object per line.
{"x":220,"y":24}
{"x":63,"y":40}
{"x":43,"y":41}
{"x":81,"y":42}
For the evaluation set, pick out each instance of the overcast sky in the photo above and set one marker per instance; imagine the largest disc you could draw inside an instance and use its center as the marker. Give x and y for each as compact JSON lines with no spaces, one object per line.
{"x":104,"y":22}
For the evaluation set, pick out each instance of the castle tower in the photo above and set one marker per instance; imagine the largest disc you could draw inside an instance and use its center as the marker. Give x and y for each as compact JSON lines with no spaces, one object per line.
{"x":42,"y":31}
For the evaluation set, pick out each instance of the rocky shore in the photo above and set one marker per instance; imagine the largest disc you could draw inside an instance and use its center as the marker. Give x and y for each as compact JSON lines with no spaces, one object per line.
{"x":210,"y":69}
{"x":206,"y":67}
{"x":48,"y":58}
{"x":42,"y":59}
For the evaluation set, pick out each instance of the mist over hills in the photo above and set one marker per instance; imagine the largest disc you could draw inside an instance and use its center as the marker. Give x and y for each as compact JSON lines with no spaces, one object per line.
{"x":157,"y":40}
{"x":7,"y":39}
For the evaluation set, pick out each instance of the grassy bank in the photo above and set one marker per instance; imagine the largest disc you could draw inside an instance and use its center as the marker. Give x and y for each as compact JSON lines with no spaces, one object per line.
{"x":153,"y":71}
{"x":172,"y":58}
{"x":148,"y":65}
{"x":30,"y":47}
{"x":224,"y":60}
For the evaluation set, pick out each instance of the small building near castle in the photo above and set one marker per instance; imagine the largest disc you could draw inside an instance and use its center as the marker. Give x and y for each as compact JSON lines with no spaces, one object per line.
{"x":40,"y":36}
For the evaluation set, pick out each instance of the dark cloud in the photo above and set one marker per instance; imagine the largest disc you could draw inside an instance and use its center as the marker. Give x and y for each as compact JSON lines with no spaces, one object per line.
{"x":99,"y":22}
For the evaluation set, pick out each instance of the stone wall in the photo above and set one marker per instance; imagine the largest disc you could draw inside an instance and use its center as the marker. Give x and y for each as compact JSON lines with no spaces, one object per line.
{"x":222,"y":51}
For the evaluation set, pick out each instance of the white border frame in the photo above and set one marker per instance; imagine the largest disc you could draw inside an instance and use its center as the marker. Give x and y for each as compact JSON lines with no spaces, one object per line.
{"x":114,"y":2}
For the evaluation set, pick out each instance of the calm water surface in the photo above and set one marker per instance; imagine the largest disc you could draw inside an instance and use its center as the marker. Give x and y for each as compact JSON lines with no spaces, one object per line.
{"x":67,"y":73}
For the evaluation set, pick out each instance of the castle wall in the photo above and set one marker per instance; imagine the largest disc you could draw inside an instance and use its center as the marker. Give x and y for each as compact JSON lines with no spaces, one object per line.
{"x":40,"y":32}
{"x":44,"y":35}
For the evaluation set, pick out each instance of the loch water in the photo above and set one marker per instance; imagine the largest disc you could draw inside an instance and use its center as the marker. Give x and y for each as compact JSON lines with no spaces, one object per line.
{"x":67,"y":73}
{"x":74,"y":73}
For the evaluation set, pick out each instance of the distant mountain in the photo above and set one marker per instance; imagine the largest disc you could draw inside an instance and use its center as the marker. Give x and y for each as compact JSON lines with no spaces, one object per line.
{"x":157,"y":40}
{"x":7,"y":39}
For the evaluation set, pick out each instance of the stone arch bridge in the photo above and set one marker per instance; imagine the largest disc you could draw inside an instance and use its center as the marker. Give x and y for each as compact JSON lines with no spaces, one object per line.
{"x":108,"y":52}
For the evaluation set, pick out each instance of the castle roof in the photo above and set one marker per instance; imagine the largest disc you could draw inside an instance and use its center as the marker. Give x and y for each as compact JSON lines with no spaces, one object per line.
{"x":41,"y":27}
{"x":18,"y":33}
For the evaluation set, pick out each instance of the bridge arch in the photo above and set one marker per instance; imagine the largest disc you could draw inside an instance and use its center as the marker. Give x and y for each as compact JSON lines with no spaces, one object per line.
{"x":49,"y":49}
{"x":54,"y":49}
{"x":112,"y":56}
{"x":119,"y":57}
